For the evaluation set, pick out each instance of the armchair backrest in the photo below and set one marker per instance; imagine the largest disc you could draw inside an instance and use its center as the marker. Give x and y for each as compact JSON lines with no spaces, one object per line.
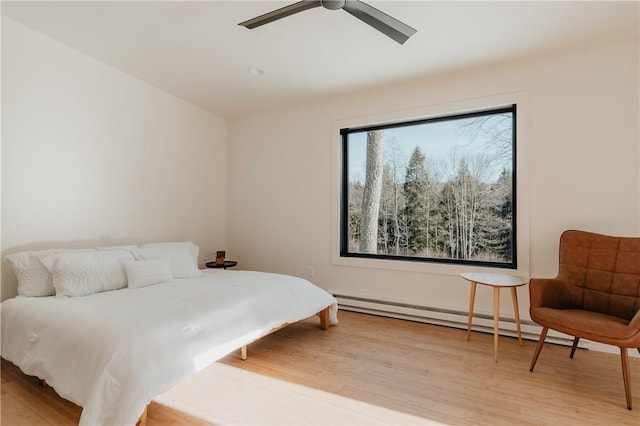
{"x":603,"y":272}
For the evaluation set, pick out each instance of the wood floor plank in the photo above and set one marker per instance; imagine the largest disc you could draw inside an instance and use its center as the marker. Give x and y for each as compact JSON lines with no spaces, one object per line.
{"x":373,"y":370}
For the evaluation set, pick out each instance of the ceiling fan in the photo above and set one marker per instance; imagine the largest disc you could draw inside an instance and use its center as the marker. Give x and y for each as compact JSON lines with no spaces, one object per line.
{"x":382,"y":22}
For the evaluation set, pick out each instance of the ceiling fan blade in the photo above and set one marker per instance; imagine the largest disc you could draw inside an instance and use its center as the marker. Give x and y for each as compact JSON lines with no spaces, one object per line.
{"x":283,"y":12}
{"x":382,"y":22}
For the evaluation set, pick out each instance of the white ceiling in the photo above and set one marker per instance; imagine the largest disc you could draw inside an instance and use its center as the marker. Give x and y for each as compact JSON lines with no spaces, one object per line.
{"x":196,"y":50}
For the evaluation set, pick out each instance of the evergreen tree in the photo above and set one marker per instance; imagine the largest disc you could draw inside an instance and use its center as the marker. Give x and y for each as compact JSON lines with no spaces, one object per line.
{"x":416,"y":213}
{"x":503,"y":212}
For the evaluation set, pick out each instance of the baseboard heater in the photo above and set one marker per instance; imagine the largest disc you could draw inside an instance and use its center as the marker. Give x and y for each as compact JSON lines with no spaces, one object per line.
{"x":449,"y":317}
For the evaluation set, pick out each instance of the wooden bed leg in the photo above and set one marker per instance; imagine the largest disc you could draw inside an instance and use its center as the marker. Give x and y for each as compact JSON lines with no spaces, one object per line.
{"x":243,"y":353}
{"x":142,"y":420}
{"x":324,"y":318}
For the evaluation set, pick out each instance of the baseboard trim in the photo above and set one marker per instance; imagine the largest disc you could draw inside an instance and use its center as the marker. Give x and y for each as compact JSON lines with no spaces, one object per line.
{"x":450,"y":318}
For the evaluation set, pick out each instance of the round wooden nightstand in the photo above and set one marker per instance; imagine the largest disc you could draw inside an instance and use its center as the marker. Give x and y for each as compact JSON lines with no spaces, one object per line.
{"x":225,"y":265}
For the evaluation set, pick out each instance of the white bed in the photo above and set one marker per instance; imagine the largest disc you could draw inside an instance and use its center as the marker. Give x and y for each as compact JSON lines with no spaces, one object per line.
{"x":113,"y":351}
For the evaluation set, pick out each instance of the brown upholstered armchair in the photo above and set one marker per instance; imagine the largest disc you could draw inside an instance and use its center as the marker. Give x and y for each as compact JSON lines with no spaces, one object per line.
{"x":596,"y":295}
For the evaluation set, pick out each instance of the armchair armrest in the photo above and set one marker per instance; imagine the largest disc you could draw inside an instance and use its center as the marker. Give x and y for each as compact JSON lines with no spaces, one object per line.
{"x":635,"y":321}
{"x":548,"y":293}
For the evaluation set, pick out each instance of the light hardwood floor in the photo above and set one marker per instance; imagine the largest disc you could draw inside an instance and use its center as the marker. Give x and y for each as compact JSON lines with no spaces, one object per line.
{"x":373,"y":370}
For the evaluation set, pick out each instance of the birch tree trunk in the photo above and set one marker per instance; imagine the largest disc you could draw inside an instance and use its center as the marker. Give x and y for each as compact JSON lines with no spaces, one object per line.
{"x":372,"y":192}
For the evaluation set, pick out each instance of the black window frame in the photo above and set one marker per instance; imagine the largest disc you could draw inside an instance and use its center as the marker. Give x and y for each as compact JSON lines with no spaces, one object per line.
{"x":344,"y":189}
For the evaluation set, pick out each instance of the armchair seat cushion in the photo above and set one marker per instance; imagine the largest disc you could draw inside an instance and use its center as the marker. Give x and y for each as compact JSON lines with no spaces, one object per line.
{"x":590,"y":325}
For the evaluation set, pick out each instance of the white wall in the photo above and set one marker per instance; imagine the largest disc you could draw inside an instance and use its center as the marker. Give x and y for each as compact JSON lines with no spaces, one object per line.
{"x":93,"y":156}
{"x":583,"y":161}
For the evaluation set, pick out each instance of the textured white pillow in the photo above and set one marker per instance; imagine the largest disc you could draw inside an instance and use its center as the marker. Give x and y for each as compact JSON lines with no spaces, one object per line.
{"x":84,"y":273}
{"x":181,"y":258}
{"x":33,"y":278}
{"x":143,"y":273}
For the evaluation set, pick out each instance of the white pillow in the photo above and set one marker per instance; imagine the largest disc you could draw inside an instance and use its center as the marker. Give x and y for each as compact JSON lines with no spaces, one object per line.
{"x":33,"y":278}
{"x":143,"y":273}
{"x":181,"y":256}
{"x":89,"y":272}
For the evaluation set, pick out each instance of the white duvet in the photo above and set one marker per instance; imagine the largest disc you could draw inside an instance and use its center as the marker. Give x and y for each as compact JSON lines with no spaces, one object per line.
{"x":112,"y":352}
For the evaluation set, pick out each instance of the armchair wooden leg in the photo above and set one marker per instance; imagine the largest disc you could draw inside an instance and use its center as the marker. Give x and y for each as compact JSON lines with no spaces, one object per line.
{"x":575,"y":345}
{"x":626,"y":376}
{"x":543,"y":335}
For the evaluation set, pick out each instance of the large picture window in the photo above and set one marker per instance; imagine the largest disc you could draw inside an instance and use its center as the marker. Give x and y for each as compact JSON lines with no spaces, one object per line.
{"x":435,"y":190}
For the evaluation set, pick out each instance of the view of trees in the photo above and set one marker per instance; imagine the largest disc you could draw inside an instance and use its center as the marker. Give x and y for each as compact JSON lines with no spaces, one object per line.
{"x":453,"y":208}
